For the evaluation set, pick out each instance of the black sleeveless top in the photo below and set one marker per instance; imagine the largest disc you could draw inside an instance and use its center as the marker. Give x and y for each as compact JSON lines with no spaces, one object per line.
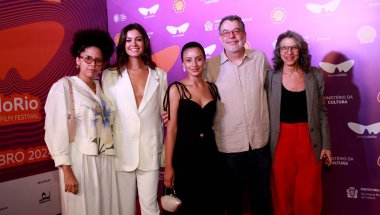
{"x":293,"y":106}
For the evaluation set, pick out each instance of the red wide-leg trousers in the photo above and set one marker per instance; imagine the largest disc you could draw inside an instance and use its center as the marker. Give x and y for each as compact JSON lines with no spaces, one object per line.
{"x":296,"y":181}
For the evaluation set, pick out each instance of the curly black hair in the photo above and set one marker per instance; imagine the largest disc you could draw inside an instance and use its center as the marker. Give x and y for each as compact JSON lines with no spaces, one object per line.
{"x":93,"y":37}
{"x":304,"y":60}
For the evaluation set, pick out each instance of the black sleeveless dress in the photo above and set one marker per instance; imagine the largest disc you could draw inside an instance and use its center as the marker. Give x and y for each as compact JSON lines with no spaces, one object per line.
{"x":196,"y":160}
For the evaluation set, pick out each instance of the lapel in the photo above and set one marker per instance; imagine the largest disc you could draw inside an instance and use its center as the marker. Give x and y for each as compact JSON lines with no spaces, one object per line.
{"x":123,"y":91}
{"x":309,"y":87}
{"x":150,"y":88}
{"x":85,"y":89}
{"x":277,"y":82}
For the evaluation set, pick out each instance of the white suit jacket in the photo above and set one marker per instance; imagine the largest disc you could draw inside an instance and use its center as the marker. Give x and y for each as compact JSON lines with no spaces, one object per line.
{"x":137,"y":131}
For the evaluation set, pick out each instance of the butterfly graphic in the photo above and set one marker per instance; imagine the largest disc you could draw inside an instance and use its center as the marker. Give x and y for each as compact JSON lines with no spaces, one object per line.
{"x":359,"y":129}
{"x":328,"y":7}
{"x":210,"y":49}
{"x":29,"y":56}
{"x":166,"y":57}
{"x":181,"y":29}
{"x":150,"y":11}
{"x":342,"y":67}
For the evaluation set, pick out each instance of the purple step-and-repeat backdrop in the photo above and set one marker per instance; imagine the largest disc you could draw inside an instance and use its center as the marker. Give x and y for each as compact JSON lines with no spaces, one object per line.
{"x":343,"y":36}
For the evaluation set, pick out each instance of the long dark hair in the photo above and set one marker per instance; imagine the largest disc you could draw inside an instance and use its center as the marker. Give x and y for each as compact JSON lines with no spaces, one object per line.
{"x":122,"y":56}
{"x":304,"y":60}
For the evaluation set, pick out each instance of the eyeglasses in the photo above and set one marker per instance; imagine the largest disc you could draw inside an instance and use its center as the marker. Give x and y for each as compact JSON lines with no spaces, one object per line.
{"x":88,"y":59}
{"x":285,"y":49}
{"x":226,"y":33}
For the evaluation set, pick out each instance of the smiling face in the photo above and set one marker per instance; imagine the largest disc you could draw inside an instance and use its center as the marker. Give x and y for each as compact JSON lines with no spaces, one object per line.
{"x":134,"y":45}
{"x":193,"y":61}
{"x":89,"y":70}
{"x":232,"y":36}
{"x":289,"y":52}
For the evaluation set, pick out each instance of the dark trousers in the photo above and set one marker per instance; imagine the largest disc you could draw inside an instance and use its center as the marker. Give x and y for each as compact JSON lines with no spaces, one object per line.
{"x":247,"y":171}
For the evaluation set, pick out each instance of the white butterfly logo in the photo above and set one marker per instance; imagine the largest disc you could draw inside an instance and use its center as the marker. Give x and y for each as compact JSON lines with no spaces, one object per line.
{"x":181,"y":29}
{"x":210,"y":49}
{"x":359,"y":129}
{"x":342,"y":67}
{"x":151,"y":11}
{"x":328,"y":7}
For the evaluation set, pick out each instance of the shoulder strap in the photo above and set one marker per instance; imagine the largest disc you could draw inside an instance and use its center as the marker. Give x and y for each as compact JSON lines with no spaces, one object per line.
{"x":183,"y":93}
{"x":71,"y":98}
{"x":214,"y":91}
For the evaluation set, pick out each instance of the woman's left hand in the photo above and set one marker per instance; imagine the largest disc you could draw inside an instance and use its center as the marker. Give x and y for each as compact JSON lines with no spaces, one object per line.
{"x":326,"y":156}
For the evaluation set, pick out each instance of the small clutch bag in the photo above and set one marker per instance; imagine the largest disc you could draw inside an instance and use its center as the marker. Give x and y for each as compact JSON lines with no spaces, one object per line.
{"x":170,"y":202}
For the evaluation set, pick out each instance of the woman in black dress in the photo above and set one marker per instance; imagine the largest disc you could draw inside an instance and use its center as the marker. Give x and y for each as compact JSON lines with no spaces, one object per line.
{"x":192,"y":158}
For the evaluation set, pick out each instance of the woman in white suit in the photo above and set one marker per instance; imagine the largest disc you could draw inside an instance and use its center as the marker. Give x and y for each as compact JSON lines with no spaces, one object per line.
{"x":136,"y":88}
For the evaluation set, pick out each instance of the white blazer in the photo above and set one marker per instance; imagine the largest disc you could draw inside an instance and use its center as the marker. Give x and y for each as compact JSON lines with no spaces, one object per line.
{"x":137,"y":131}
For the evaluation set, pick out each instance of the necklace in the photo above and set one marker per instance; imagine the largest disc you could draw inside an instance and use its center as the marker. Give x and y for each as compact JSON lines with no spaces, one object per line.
{"x":136,"y":68}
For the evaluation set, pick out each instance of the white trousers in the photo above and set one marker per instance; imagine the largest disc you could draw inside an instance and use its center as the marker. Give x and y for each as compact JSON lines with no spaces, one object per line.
{"x":97,"y":188}
{"x":143,"y":182}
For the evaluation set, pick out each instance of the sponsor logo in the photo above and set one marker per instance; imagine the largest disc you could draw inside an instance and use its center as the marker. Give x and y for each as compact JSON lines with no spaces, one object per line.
{"x":341,"y":67}
{"x":342,"y":161}
{"x":352,"y":193}
{"x":338,"y":99}
{"x":278,"y":15}
{"x":319,"y":8}
{"x":372,"y":3}
{"x":179,"y":6}
{"x":149,"y":12}
{"x":210,"y":1}
{"x":44,"y":198}
{"x":119,"y":18}
{"x":209,"y":50}
{"x":208,"y":26}
{"x":366,"y":34}
{"x":360,"y":129}
{"x":178,"y":31}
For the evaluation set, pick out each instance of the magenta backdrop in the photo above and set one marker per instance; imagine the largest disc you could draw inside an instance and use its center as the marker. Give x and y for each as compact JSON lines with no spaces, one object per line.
{"x":344,"y":40}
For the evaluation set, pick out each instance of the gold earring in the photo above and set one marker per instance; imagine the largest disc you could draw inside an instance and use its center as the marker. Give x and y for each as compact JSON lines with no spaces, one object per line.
{"x":77,"y":66}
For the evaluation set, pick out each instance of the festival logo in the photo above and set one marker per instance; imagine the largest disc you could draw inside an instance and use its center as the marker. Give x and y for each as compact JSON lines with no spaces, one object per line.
{"x":166,"y":57}
{"x":278,"y":15}
{"x":342,"y":67}
{"x":319,"y":8}
{"x":178,"y":31}
{"x":29,"y":56}
{"x":210,"y":1}
{"x":209,"y":50}
{"x":360,"y":129}
{"x":352,"y":193}
{"x":366,"y":34}
{"x":119,"y":18}
{"x":149,"y":12}
{"x":19,"y":108}
{"x":179,"y":6}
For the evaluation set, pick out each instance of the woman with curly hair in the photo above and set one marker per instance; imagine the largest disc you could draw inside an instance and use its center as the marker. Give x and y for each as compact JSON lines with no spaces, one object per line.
{"x":136,"y":88}
{"x":299,"y":133}
{"x":85,"y":157}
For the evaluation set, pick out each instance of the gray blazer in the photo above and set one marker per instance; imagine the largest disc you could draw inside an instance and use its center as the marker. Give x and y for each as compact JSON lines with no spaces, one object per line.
{"x":316,"y":110}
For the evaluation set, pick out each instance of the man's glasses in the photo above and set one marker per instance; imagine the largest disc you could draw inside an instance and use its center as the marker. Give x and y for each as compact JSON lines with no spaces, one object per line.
{"x":285,"y":49}
{"x":89,"y":60}
{"x":235,"y":32}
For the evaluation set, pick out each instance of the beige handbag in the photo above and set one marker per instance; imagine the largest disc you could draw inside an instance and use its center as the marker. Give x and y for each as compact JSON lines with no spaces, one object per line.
{"x":170,"y":202}
{"x":71,"y":117}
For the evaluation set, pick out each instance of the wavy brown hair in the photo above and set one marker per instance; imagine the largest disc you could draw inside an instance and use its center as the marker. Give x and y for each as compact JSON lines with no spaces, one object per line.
{"x":122,"y":56}
{"x":304,"y":60}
